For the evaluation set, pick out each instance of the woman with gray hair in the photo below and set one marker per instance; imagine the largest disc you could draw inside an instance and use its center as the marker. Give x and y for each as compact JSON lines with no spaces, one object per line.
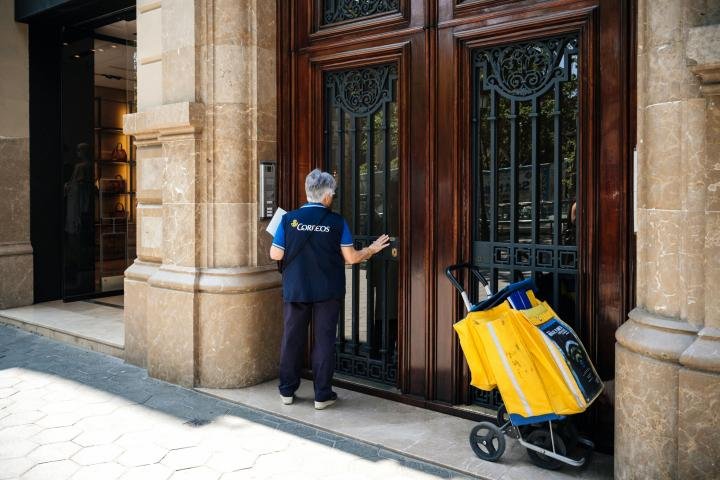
{"x":314,"y":244}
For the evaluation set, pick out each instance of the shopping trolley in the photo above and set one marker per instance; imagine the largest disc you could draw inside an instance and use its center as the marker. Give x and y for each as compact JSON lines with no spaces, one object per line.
{"x":515,"y":342}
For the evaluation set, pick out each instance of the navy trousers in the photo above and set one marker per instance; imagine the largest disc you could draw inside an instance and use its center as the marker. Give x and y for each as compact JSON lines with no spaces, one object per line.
{"x":297,"y":317}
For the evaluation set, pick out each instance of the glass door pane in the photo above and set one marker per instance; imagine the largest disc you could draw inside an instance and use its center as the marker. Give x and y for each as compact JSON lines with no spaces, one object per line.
{"x":77,"y":157}
{"x":525,"y":157}
{"x":361,"y":151}
{"x":98,"y":89}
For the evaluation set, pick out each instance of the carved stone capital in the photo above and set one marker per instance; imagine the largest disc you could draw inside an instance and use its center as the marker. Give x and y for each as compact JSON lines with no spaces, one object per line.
{"x":709,"y":76}
{"x":703,"y":53}
{"x":175,"y":118}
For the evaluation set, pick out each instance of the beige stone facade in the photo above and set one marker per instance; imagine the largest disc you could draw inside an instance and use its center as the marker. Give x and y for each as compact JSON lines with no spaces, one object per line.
{"x":202,"y":299}
{"x":16,"y":261}
{"x":203,"y":304}
{"x":668,"y":353}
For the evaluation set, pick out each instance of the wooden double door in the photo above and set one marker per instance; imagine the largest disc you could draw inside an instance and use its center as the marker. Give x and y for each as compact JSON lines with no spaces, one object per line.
{"x":496,"y":132}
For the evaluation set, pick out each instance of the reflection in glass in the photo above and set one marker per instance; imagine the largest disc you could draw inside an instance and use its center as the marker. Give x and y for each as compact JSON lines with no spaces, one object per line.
{"x":98,"y":87}
{"x":525,"y":134}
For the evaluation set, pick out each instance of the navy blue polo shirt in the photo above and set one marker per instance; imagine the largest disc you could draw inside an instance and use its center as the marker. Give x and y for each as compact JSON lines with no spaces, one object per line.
{"x":317,"y":272}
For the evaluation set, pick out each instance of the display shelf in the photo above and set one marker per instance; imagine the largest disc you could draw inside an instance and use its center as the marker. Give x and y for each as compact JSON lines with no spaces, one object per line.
{"x":116,"y":162}
{"x":115,"y":233}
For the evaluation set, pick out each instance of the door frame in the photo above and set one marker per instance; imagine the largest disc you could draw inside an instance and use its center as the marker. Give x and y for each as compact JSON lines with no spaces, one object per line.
{"x":583,"y":24}
{"x":431,"y":368}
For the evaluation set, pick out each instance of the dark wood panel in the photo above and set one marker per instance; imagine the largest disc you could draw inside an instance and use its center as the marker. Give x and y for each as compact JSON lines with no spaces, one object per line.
{"x":309,"y":31}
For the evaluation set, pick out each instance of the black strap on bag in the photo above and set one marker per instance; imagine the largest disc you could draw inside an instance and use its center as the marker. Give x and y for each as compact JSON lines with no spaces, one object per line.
{"x":283,"y":264}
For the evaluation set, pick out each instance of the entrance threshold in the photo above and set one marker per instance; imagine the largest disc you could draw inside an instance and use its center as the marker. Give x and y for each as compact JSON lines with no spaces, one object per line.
{"x":423,"y":434}
{"x":92,"y":325}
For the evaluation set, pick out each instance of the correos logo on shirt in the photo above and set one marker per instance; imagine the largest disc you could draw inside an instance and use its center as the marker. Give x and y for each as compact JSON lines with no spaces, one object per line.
{"x":301,"y":227}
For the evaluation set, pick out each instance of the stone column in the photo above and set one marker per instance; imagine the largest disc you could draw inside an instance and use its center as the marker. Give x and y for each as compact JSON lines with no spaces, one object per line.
{"x":204,"y":305}
{"x":668,"y":354}
{"x":16,"y":260}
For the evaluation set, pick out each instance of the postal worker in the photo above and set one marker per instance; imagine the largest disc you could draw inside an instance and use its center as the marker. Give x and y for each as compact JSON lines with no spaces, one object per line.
{"x":314,"y":245}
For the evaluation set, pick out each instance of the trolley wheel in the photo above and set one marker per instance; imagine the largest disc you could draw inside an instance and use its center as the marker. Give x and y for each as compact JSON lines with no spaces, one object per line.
{"x":487,"y":441}
{"x":541,"y":438}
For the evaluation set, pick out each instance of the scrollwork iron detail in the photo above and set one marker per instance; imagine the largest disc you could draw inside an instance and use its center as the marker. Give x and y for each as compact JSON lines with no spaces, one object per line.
{"x":335,"y":11}
{"x":361,"y":91}
{"x":526,"y":70}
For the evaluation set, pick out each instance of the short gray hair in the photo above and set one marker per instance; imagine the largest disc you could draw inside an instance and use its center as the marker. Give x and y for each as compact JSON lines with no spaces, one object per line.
{"x":318,"y":184}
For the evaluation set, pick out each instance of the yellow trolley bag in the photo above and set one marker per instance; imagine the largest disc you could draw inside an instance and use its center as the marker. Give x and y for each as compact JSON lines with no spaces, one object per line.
{"x":513,"y":366}
{"x":569,"y":376}
{"x":516,"y":342}
{"x":481,"y":373}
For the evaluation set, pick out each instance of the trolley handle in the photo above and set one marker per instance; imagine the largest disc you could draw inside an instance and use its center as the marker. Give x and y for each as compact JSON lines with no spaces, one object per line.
{"x":449,"y":272}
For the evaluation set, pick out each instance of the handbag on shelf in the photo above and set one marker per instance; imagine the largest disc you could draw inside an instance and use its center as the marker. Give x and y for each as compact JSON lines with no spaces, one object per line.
{"x":118,"y":154}
{"x":113,"y":185}
{"x":119,"y":211}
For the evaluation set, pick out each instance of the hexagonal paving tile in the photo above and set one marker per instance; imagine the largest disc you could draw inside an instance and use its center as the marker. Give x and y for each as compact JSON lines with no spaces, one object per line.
{"x":18,"y":432}
{"x":54,"y":452}
{"x":36,"y":383}
{"x":120,"y":423}
{"x":128,"y":440}
{"x":186,"y":458}
{"x":142,"y":455}
{"x":16,"y":449}
{"x":101,"y":471}
{"x":97,"y":454}
{"x":20,"y":405}
{"x":54,"y":420}
{"x":259,"y":439}
{"x":197,"y":473}
{"x":96,"y":437}
{"x":7,"y":392}
{"x":7,"y":381}
{"x":59,"y":434}
{"x":62,"y":394}
{"x":14,"y":467}
{"x":148,"y":472}
{"x":231,"y":461}
{"x":53,"y":470}
{"x":61,"y":407}
{"x":22,"y":418}
{"x":175,"y":438}
{"x":98,"y":408}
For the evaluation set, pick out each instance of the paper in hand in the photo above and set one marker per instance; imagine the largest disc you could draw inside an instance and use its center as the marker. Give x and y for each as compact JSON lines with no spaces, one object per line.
{"x":275,"y":221}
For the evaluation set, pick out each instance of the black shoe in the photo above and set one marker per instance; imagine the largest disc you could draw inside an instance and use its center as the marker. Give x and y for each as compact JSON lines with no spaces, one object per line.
{"x":325,"y":404}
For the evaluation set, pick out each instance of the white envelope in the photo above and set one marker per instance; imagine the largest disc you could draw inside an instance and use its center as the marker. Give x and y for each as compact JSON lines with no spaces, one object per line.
{"x":275,"y":221}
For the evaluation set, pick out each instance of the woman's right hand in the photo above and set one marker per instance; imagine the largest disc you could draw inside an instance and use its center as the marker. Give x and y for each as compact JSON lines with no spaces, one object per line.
{"x":380,"y":243}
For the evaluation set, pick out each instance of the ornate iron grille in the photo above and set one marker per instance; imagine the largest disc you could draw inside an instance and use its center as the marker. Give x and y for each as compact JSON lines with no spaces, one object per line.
{"x":361,"y":150}
{"x":525,"y":157}
{"x":335,"y":11}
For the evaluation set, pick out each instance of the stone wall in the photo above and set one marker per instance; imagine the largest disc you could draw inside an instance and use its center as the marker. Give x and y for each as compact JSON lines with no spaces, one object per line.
{"x":16,"y":261}
{"x":202,"y":300}
{"x":668,"y":353}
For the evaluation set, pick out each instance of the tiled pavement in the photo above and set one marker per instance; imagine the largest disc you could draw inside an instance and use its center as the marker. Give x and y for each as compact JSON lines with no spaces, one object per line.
{"x":72,"y":413}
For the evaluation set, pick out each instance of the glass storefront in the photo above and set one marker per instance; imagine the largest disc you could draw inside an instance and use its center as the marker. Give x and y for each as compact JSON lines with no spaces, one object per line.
{"x":98,"y":87}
